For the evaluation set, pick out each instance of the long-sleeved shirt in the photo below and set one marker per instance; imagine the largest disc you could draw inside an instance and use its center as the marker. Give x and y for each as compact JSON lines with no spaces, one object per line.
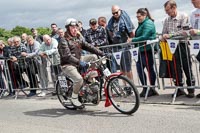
{"x":96,"y":37}
{"x":33,"y":49}
{"x":51,"y":50}
{"x":16,"y":51}
{"x":174,"y":25}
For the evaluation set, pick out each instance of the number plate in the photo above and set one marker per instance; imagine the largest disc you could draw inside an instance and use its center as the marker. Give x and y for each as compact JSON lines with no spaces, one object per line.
{"x":107,"y":72}
{"x":62,"y":81}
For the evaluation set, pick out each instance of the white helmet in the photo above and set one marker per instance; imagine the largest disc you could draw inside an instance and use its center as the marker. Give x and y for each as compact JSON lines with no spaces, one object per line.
{"x":70,"y":22}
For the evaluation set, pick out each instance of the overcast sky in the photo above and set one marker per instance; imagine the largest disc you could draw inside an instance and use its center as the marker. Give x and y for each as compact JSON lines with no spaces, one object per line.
{"x":41,"y":13}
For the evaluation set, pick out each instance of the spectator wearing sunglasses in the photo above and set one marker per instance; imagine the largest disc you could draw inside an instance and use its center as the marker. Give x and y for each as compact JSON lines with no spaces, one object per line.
{"x":120,"y":28}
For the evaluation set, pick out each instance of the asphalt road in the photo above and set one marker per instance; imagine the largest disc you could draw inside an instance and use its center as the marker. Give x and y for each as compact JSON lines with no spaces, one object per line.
{"x":48,"y":116}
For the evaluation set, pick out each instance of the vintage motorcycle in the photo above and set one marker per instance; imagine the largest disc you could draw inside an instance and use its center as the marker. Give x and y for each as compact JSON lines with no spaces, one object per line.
{"x":119,"y":90}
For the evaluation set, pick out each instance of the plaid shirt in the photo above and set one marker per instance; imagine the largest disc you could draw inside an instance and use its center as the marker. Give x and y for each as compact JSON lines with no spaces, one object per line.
{"x":16,"y":51}
{"x":174,"y":25}
{"x":97,"y":37}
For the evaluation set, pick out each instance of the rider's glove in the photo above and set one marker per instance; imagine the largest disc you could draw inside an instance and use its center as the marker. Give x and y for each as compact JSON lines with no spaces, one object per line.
{"x":83,"y":64}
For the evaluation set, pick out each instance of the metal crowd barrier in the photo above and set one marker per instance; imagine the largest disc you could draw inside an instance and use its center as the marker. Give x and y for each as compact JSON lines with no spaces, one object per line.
{"x":172,"y":75}
{"x":118,"y":49}
{"x":27,"y":74}
{"x":175,"y":67}
{"x":4,"y":78}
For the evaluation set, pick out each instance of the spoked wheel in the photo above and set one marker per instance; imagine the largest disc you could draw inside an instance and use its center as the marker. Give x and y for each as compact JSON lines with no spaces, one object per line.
{"x":63,"y":94}
{"x":123,"y":94}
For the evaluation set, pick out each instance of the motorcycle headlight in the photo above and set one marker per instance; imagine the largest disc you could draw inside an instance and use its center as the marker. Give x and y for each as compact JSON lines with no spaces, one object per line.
{"x":104,"y":61}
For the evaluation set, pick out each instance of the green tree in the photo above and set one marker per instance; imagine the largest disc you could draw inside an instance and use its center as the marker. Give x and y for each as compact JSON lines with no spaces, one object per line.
{"x":44,"y":30}
{"x":18,"y":30}
{"x":4,"y":35}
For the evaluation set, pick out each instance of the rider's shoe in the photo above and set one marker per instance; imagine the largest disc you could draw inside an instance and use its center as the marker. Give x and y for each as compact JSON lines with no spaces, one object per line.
{"x":75,"y":101}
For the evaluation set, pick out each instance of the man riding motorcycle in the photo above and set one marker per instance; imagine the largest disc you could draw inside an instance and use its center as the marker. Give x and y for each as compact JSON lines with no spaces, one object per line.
{"x":70,"y":48}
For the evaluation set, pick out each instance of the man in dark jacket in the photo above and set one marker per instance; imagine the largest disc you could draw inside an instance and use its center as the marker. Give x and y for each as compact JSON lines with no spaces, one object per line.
{"x":70,"y":48}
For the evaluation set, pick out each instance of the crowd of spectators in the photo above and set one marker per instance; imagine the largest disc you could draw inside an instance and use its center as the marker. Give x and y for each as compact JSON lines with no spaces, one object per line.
{"x":30,"y":53}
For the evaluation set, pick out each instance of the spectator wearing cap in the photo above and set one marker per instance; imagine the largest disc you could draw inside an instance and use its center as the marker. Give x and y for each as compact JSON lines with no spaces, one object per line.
{"x":96,"y":35}
{"x":36,"y":36}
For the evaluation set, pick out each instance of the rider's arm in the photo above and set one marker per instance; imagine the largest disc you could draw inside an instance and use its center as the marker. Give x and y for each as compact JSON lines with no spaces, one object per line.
{"x":88,"y":47}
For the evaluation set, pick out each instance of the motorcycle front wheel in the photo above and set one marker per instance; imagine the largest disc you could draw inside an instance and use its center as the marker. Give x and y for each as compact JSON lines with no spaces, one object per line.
{"x":123,"y":94}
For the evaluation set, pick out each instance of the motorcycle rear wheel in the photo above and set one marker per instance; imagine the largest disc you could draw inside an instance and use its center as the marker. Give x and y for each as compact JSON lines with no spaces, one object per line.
{"x":64,"y":94}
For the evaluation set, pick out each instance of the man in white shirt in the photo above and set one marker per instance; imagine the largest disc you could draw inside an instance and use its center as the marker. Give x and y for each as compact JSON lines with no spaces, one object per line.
{"x":195,"y":23}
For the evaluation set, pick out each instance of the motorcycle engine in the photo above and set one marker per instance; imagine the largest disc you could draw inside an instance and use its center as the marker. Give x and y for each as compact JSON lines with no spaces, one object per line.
{"x":90,"y":93}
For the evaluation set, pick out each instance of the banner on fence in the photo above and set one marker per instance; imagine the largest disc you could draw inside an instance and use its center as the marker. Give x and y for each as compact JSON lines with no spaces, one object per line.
{"x":117,"y":56}
{"x":195,"y":44}
{"x":134,"y":53}
{"x":172,"y":45}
